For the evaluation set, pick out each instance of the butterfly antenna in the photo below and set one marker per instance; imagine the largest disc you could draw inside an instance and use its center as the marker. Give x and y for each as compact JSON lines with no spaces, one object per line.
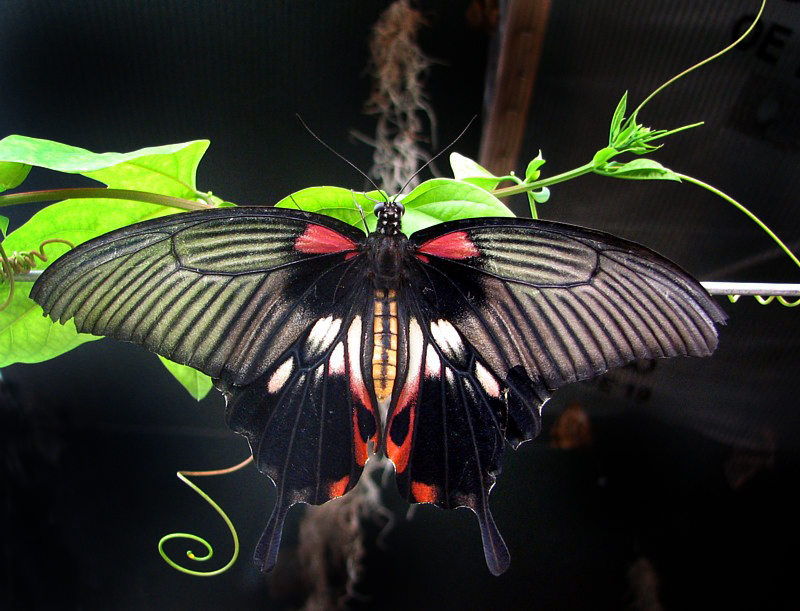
{"x":295,"y":203}
{"x":338,"y":154}
{"x":437,"y":155}
{"x":360,"y":211}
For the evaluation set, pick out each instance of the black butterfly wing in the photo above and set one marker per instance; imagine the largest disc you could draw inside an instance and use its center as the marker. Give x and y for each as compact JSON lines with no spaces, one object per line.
{"x":309,"y":418}
{"x":270,"y":303}
{"x":451,"y":417}
{"x":501,"y":313}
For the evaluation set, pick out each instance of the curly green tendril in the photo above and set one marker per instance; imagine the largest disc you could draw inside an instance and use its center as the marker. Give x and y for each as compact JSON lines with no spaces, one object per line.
{"x":209,"y":551}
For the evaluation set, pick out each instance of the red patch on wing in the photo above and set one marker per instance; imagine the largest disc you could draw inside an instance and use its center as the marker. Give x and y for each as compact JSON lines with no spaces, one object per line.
{"x":399,"y":454}
{"x":424,"y":493}
{"x":316,"y":240}
{"x":338,"y":488}
{"x":455,"y":245}
{"x":361,"y":395}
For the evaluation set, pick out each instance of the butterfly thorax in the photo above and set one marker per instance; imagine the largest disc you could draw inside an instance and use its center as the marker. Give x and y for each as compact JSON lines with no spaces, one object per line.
{"x":387,"y":255}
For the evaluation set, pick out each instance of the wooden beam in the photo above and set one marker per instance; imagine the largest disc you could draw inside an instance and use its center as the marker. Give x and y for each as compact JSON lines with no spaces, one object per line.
{"x":521,"y":31}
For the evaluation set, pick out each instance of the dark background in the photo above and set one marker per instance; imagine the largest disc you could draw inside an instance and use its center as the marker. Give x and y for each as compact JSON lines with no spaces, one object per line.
{"x":687,"y":489}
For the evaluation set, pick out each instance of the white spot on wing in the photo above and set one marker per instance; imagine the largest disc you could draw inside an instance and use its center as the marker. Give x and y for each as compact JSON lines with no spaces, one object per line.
{"x":337,"y":360}
{"x":278,"y":379}
{"x":487,"y":381}
{"x":447,"y":338}
{"x":433,"y":364}
{"x":354,"y":342}
{"x":354,"y":345}
{"x":322,"y":335}
{"x":410,"y":388}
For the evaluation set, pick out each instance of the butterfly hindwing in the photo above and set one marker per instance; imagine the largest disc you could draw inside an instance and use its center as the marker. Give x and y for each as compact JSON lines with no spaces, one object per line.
{"x":451,"y":418}
{"x":310,"y":418}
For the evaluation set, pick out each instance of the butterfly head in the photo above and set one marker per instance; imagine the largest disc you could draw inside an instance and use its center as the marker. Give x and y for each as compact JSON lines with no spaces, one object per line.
{"x":389,"y":215}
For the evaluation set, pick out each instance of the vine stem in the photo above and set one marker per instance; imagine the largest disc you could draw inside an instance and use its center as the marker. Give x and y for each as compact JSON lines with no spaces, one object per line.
{"x":545,"y":182}
{"x":741,"y":208}
{"x":702,"y":63}
{"x":101,"y":193}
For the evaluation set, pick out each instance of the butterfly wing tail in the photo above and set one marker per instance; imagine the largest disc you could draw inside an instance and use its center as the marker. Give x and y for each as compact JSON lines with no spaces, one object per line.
{"x":266,"y":554}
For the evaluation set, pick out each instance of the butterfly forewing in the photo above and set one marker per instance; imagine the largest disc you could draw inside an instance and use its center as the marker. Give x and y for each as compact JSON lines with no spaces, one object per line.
{"x":563,"y":303}
{"x":225,"y":290}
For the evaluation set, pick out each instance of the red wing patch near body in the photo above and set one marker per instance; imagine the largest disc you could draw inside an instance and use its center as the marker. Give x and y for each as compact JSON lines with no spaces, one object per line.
{"x":454,"y":245}
{"x":321,"y":240}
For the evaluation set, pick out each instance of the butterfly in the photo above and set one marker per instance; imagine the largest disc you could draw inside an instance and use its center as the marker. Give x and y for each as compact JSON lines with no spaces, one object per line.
{"x":437,"y":349}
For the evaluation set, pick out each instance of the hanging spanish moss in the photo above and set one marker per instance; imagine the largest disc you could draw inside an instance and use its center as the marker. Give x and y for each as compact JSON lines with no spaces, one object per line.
{"x":398,"y":68}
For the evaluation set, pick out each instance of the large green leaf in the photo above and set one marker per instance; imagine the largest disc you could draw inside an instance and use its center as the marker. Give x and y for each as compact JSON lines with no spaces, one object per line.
{"x":26,"y":336}
{"x":168,"y":169}
{"x":444,"y":199}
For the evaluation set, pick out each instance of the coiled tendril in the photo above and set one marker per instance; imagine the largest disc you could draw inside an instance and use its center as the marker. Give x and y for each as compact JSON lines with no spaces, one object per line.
{"x":769,"y":299}
{"x":22,"y":263}
{"x":209,"y":551}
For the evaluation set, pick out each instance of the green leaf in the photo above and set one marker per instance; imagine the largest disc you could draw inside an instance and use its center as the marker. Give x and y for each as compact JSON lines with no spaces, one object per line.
{"x":603,"y":155}
{"x":3,"y":225}
{"x":168,"y":169}
{"x":343,"y":204}
{"x":444,"y":199}
{"x":638,"y":169}
{"x":532,"y":171}
{"x":617,"y":118}
{"x":537,"y":197}
{"x":26,"y":336}
{"x":198,"y":384}
{"x":12,"y":174}
{"x":467,"y":170}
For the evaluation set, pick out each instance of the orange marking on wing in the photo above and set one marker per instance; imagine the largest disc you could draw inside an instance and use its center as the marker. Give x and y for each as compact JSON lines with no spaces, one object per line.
{"x":455,"y":245}
{"x":360,"y":445}
{"x":399,"y":454}
{"x":358,"y":389}
{"x":338,"y":488}
{"x":321,"y":240}
{"x":424,"y":493}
